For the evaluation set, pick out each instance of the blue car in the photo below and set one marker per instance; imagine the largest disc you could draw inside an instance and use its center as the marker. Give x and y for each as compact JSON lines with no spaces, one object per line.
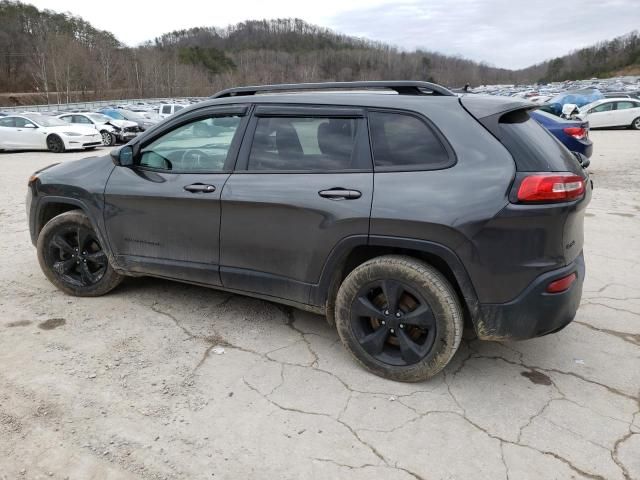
{"x":574,"y":134}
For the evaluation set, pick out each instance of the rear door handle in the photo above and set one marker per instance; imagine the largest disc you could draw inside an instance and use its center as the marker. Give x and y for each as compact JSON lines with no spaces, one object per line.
{"x":340,"y":194}
{"x":200,"y":188}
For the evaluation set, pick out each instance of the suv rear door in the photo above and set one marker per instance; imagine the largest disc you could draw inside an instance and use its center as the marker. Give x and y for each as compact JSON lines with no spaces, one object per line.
{"x":303,"y":183}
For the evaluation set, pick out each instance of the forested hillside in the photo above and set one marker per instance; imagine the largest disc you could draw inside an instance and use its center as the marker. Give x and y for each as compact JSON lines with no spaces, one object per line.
{"x":62,"y":58}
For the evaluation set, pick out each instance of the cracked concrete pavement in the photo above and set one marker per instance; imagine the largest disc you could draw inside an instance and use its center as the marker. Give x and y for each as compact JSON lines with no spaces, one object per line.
{"x":135,"y":385}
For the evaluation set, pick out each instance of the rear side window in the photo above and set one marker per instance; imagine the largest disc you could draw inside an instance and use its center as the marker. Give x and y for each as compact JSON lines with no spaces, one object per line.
{"x":533,"y":147}
{"x":626,"y":105}
{"x":404,"y":142}
{"x":307,"y":144}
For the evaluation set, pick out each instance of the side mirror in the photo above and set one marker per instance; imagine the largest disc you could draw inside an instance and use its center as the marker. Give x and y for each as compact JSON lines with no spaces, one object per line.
{"x":123,"y":156}
{"x":29,"y":125}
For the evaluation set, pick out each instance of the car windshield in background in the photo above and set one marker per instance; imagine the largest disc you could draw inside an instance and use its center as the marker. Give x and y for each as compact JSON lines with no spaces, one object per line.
{"x":99,"y":118}
{"x":45,"y":121}
{"x":130,"y":115}
{"x":116,"y":115}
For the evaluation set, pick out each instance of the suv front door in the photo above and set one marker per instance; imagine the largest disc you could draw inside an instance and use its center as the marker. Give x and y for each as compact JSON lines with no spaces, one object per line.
{"x":303,"y":183}
{"x":162,"y":215}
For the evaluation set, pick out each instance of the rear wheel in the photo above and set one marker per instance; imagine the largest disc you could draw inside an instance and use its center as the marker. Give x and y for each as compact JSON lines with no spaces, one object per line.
{"x":399,"y":317}
{"x":636,"y":124}
{"x":73,"y":259}
{"x":55,"y":144}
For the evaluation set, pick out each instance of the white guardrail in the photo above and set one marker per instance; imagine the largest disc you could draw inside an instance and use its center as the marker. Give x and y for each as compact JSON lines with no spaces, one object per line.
{"x":90,"y":106}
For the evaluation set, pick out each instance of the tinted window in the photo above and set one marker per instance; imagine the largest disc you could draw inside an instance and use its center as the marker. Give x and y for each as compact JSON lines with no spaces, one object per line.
{"x":532,"y":146}
{"x":177,"y":107}
{"x":317,"y":143}
{"x":166,"y":109}
{"x":8,"y":122}
{"x":81,"y":119}
{"x":605,"y":107}
{"x":405,"y":142}
{"x":22,"y":122}
{"x":626,"y":105}
{"x":202,"y":145}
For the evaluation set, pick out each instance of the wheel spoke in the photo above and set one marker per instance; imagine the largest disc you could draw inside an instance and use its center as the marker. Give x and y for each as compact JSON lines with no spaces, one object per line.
{"x":64,"y":266}
{"x":98,"y":258}
{"x":392,"y":291}
{"x":373,"y":343}
{"x":364,"y":308}
{"x":86,"y":276}
{"x":410,"y":350}
{"x":422,"y":316}
{"x":60,"y":242}
{"x":83,"y":238}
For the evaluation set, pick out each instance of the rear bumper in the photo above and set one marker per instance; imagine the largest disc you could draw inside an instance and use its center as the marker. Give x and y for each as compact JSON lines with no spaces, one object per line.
{"x":534,"y":312}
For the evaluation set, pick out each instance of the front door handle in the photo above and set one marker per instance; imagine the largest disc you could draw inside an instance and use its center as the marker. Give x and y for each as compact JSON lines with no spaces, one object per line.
{"x":200,"y":188}
{"x":340,"y":194}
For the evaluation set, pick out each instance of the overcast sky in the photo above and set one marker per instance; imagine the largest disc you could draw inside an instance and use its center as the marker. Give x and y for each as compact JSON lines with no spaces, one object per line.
{"x":504,"y":33}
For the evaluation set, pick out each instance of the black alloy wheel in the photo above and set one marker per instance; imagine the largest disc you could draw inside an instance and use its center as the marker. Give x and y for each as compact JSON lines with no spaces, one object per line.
{"x":393,"y":322}
{"x":77,"y":257}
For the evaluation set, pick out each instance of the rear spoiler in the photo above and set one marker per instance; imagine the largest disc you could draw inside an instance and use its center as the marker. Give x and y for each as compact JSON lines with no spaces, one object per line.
{"x":489,"y":109}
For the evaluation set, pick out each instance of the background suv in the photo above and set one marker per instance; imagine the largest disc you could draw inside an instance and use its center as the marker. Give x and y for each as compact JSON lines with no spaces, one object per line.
{"x":396,"y":215}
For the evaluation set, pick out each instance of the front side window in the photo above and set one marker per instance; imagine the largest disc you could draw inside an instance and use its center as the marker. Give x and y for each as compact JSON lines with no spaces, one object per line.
{"x":81,"y":119}
{"x":306,"y":144}
{"x":403,"y":141}
{"x":201,"y":145}
{"x":605,"y":107}
{"x":22,"y":122}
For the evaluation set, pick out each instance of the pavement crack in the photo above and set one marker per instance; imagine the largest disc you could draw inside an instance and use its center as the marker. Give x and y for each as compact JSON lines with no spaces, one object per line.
{"x":617,"y":309}
{"x":633,"y":338}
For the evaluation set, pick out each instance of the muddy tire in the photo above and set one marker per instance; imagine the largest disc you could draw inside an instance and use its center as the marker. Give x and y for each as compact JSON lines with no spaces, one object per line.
{"x":399,"y":317}
{"x":72,"y":258}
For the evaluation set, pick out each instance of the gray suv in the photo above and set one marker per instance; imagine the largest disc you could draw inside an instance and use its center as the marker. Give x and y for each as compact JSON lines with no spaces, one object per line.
{"x":397,"y":209}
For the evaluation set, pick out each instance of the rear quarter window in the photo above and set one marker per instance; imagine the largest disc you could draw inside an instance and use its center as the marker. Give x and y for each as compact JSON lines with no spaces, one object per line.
{"x":532,"y":146}
{"x":404,"y":142}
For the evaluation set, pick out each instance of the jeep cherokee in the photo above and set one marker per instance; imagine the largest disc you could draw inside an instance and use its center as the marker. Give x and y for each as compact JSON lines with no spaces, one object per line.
{"x":397,"y":209}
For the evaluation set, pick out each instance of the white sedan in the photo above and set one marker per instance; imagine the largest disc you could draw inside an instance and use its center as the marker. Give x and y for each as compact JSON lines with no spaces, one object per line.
{"x":32,"y":131}
{"x":612,"y":112}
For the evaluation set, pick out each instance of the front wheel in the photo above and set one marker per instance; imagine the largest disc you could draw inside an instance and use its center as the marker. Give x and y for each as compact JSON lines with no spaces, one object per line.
{"x":636,"y":124}
{"x":55,"y":144}
{"x":72,"y":257}
{"x":399,"y":317}
{"x":108,"y":138}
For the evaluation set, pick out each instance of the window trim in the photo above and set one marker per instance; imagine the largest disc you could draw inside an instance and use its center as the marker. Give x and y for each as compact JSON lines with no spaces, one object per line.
{"x":300,"y":111}
{"x":453,"y":158}
{"x":240,"y":110}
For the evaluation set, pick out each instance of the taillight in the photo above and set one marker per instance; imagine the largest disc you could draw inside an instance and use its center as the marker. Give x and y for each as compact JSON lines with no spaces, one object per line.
{"x":561,"y":284}
{"x":551,"y":187}
{"x":576,"y":132}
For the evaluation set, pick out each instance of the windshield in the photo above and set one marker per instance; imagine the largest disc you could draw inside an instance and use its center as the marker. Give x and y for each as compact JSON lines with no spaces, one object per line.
{"x":129,"y":115}
{"x":98,"y":117}
{"x":116,"y":115}
{"x":45,"y":121}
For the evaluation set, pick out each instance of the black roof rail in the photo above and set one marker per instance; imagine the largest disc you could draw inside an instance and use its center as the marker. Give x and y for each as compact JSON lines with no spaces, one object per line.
{"x":399,"y":86}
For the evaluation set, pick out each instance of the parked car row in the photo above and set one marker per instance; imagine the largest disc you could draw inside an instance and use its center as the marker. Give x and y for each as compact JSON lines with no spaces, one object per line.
{"x":61,"y":131}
